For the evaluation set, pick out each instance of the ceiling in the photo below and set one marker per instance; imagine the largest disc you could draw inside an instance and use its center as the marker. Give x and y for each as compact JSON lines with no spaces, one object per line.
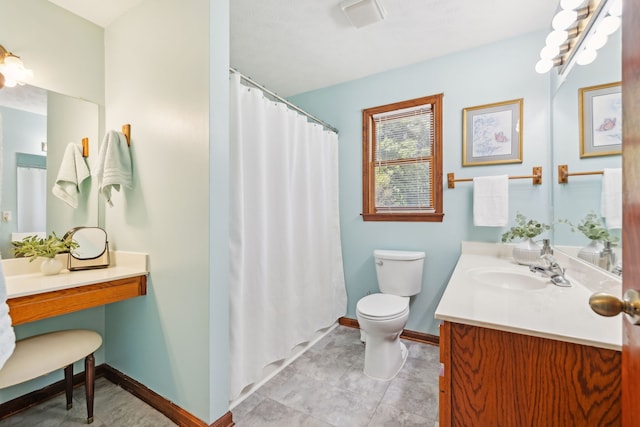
{"x":302,"y":45}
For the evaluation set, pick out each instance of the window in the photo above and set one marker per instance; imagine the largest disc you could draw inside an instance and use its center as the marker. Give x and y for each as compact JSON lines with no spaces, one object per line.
{"x":402,"y":161}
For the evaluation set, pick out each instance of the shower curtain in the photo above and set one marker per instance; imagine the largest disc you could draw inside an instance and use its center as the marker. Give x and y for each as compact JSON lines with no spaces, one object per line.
{"x":287,"y":279}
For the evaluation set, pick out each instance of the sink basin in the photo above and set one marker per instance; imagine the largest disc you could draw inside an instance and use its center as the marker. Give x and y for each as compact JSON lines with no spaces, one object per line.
{"x":509,"y":279}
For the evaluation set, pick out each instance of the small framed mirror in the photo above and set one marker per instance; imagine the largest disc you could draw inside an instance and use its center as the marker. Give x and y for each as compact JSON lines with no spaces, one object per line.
{"x":92,"y":250}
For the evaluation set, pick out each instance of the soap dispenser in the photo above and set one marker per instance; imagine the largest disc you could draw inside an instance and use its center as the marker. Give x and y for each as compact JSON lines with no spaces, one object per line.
{"x":546,"y":248}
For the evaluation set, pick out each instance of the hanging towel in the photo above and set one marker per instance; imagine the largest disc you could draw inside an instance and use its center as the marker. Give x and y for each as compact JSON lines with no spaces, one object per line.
{"x":113,"y":168}
{"x":611,"y":197}
{"x":491,"y":201}
{"x":73,"y":171}
{"x":7,"y":336}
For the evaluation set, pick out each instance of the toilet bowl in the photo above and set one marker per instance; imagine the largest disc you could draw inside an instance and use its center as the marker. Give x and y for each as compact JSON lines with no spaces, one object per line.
{"x":383,"y":316}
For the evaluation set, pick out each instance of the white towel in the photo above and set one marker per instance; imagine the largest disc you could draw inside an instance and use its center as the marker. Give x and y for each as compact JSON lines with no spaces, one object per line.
{"x":113,"y":168}
{"x":611,"y":197}
{"x":73,"y":171}
{"x":7,"y":336}
{"x":491,"y":201}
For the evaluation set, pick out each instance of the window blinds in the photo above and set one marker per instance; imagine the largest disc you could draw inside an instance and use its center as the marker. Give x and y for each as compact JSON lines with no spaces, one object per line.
{"x":403,"y":160}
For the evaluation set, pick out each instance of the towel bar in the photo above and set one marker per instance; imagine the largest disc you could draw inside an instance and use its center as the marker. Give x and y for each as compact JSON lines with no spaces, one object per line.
{"x":563,"y":174}
{"x":536,"y":177}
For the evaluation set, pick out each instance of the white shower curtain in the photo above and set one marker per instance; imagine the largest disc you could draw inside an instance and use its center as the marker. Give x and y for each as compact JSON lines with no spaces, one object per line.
{"x":287,"y":279}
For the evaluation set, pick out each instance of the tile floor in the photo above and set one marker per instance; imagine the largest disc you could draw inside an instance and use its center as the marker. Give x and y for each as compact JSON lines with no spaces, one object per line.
{"x":113,"y":407}
{"x":324,"y":387}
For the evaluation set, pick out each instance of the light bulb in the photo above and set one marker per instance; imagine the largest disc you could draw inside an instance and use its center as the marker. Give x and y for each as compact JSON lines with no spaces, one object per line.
{"x":570,"y":4}
{"x":596,"y":41}
{"x":615,"y":8}
{"x":543,"y":66}
{"x":587,"y":56}
{"x":609,"y":25}
{"x":556,"y":37}
{"x":549,"y":52}
{"x":564,"y":19}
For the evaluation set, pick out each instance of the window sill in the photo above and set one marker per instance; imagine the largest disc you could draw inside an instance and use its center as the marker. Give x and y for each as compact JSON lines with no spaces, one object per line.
{"x":404,"y":217}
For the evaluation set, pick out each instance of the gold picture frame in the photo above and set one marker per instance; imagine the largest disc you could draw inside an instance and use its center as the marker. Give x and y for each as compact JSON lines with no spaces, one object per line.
{"x":600,"y":111}
{"x":492,"y":133}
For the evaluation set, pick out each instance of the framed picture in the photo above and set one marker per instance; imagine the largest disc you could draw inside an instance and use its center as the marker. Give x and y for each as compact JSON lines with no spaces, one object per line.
{"x":492,"y":134}
{"x":600,"y":120}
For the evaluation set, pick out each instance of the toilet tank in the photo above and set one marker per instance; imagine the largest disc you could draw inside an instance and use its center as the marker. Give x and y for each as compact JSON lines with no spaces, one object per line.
{"x":399,"y":272}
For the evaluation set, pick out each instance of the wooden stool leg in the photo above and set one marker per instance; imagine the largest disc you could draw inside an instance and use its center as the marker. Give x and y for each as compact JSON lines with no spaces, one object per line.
{"x":68,"y":385}
{"x":89,"y":384}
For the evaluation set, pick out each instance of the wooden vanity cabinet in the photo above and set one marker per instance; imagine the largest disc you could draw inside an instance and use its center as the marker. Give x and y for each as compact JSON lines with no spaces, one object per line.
{"x":496,"y":378}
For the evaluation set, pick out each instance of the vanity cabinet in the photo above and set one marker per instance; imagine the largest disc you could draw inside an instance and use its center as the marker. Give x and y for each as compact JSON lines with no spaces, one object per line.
{"x":497,"y":378}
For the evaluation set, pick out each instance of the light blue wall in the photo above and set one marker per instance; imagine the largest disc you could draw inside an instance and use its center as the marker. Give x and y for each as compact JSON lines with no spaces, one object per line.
{"x":22,"y":132}
{"x":581,"y":195}
{"x":494,"y":73}
{"x":173,"y":340}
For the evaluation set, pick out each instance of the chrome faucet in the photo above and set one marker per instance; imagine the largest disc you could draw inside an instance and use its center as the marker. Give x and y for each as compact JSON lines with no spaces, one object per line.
{"x":607,"y":258}
{"x":550,"y":268}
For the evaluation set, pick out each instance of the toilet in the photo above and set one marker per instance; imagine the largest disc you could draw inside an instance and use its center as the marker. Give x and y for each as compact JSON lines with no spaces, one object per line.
{"x":383,"y":316}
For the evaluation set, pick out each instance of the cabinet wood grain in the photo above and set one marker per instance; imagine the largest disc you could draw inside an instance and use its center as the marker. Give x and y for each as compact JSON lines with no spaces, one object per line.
{"x":48,"y":304}
{"x":495,"y":378}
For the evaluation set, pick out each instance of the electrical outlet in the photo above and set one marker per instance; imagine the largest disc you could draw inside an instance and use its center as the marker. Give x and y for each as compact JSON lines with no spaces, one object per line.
{"x":6,"y":216}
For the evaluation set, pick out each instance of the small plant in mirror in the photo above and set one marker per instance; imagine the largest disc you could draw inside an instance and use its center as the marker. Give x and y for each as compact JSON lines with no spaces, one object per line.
{"x":34,"y":247}
{"x":592,"y":228}
{"x":524,"y":229}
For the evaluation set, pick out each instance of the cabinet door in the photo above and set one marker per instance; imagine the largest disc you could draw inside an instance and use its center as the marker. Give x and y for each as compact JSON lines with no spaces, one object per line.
{"x":499,"y":378}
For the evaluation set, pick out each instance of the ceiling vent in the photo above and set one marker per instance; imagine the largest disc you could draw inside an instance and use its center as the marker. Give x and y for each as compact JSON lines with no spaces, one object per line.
{"x":363,"y":12}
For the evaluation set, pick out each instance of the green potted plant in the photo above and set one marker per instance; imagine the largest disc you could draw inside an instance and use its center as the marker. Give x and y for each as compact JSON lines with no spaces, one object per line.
{"x":528,"y":251}
{"x":592,"y":227}
{"x":34,"y":247}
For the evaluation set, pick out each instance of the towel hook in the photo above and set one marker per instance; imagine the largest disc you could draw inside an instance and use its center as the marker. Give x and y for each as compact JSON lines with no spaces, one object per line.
{"x":85,"y":147}
{"x":126,"y":130}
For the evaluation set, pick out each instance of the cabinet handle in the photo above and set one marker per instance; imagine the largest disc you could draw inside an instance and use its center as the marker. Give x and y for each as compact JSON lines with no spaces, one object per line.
{"x":608,"y":305}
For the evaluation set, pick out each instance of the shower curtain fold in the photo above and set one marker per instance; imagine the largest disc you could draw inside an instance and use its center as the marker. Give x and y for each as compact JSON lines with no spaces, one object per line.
{"x":287,"y":279}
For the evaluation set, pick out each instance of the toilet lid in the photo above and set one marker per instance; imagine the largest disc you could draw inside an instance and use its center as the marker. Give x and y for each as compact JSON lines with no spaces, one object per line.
{"x":382,"y":305}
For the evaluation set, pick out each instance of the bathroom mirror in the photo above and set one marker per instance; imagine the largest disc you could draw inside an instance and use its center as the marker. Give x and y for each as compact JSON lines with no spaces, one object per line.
{"x":39,"y":122}
{"x":582,"y":194}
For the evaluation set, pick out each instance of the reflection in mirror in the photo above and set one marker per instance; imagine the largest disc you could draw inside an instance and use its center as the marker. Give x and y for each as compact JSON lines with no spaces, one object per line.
{"x":34,"y":120}
{"x":581,"y":195}
{"x":31,"y":194}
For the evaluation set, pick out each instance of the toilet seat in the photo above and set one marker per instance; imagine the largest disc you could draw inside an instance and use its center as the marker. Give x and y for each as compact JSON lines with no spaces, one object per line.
{"x":382,"y":306}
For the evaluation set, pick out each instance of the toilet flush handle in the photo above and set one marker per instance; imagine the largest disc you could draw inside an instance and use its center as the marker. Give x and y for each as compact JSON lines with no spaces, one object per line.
{"x":379,"y":262}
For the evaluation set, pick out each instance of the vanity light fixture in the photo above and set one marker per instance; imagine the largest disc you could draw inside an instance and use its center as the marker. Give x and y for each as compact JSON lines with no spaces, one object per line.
{"x":12,"y":70}
{"x":363,"y":12}
{"x":579,"y":30}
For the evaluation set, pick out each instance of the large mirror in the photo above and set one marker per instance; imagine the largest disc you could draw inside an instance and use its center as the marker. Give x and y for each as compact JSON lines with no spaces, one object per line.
{"x":36,"y":126}
{"x":582,"y":194}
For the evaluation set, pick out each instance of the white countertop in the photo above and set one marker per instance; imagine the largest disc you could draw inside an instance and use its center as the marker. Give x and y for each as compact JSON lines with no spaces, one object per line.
{"x":24,"y":278}
{"x":551,"y":312}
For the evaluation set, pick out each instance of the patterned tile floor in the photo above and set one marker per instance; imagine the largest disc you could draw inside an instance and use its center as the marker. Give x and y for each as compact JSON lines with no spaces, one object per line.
{"x":324,"y":387}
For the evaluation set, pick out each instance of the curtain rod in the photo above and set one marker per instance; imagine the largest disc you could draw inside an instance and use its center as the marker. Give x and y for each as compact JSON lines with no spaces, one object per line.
{"x":279,"y":98}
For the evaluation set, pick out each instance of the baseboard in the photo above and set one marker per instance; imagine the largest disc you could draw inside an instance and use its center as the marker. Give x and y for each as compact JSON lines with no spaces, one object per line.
{"x":151,"y":398}
{"x":406,"y":334}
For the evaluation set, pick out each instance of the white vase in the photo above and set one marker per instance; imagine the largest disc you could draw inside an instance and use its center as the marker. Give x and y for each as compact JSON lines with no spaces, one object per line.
{"x":51,"y":266}
{"x":591,"y":252}
{"x":527,"y":252}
